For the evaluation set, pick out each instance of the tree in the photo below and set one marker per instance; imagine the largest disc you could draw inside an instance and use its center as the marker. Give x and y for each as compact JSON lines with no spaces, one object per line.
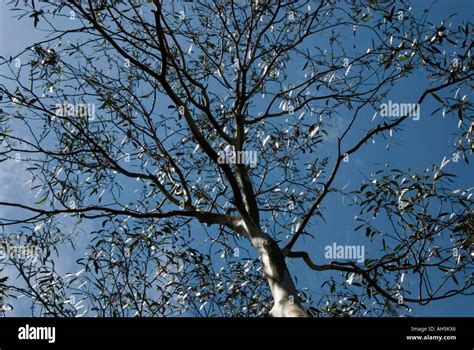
{"x":138,"y":125}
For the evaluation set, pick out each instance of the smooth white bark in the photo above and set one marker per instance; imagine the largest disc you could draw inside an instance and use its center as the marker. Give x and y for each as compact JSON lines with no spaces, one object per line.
{"x":282,"y":287}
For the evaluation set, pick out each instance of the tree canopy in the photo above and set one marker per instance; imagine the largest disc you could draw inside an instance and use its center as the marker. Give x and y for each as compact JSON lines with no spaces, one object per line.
{"x":183,"y":160}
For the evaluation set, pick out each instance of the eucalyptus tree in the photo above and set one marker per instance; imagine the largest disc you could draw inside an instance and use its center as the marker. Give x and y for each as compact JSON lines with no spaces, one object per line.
{"x":157,"y":135}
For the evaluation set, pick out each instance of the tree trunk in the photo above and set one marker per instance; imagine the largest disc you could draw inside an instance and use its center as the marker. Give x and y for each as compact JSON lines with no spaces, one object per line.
{"x":282,"y":287}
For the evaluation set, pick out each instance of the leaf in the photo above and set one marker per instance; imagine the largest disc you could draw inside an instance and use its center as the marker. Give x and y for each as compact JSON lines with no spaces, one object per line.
{"x":36,"y":15}
{"x":41,"y":201}
{"x":368,"y":231}
{"x":147,"y":95}
{"x":437,"y":97}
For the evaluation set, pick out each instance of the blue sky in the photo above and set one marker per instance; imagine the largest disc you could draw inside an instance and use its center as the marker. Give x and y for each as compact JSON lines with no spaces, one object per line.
{"x":421,"y":144}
